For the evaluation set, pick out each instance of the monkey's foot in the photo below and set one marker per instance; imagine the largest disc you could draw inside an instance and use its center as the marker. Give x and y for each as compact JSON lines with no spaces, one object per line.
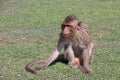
{"x":74,"y":65}
{"x":85,"y":70}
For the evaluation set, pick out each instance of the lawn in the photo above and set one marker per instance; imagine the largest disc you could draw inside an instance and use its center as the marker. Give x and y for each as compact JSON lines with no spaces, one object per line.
{"x":29,"y":30}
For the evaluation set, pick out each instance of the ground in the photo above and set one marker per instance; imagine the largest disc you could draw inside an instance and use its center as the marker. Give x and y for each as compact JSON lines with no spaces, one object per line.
{"x":29,"y":29}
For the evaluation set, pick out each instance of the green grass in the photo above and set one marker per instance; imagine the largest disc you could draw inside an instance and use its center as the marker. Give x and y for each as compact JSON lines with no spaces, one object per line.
{"x":29,"y":30}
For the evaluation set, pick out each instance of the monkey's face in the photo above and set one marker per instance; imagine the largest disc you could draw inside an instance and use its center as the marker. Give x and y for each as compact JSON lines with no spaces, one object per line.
{"x":69,"y":29}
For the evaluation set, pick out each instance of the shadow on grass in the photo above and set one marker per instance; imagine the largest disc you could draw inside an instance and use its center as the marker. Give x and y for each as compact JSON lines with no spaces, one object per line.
{"x":60,"y":59}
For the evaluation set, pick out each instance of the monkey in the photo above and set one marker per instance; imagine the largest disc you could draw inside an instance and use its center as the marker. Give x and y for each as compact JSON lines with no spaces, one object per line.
{"x":77,"y":43}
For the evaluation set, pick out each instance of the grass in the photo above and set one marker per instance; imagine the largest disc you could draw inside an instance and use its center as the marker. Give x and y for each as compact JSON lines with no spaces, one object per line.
{"x":29,"y":30}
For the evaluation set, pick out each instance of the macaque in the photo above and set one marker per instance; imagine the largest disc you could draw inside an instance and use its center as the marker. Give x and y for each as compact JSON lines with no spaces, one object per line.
{"x":78,"y":47}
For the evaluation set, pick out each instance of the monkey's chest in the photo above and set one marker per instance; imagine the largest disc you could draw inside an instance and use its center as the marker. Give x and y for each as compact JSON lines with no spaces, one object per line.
{"x":77,"y":50}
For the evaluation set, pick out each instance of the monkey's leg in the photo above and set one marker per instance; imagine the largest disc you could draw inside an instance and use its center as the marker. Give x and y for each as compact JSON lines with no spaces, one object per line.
{"x":87,"y":54}
{"x":91,"y":50}
{"x":69,"y":55}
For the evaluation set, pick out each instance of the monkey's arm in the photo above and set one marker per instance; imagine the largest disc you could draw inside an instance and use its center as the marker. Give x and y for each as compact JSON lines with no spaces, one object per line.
{"x":45,"y":62}
{"x":55,"y":53}
{"x":52,"y":57}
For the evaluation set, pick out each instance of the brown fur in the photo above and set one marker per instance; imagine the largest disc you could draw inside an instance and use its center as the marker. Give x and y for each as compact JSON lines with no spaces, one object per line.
{"x":77,"y":43}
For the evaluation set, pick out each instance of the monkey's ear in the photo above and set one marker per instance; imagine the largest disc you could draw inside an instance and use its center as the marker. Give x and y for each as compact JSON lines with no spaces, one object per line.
{"x":79,"y":25}
{"x":82,"y":24}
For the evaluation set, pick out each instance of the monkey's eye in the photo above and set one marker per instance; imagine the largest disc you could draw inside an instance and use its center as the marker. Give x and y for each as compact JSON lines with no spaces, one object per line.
{"x":62,"y":27}
{"x":69,"y":26}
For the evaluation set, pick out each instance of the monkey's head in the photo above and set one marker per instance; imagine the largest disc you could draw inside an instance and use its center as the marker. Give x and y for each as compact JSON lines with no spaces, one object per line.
{"x":70,"y":26}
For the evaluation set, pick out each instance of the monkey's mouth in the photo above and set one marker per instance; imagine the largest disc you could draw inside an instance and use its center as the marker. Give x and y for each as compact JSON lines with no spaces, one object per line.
{"x":66,"y":35}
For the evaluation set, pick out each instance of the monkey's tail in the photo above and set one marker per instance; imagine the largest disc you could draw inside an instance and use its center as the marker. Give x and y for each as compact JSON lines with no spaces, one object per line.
{"x":28,"y":67}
